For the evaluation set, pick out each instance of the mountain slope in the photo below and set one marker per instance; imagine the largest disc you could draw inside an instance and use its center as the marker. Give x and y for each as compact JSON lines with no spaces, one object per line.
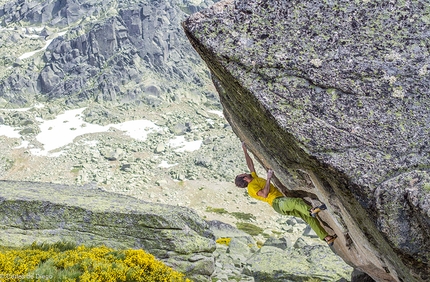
{"x":97,"y":51}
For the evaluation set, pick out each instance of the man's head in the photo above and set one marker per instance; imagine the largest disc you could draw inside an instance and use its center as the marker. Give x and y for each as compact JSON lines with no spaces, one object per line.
{"x":242,"y":180}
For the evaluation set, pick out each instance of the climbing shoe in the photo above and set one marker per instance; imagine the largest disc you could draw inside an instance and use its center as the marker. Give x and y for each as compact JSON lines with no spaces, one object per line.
{"x":330,"y":239}
{"x":316,"y":210}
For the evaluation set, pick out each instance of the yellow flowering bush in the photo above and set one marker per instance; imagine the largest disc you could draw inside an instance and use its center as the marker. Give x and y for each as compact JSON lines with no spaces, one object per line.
{"x":223,"y":241}
{"x":42,"y":263}
{"x":20,"y":262}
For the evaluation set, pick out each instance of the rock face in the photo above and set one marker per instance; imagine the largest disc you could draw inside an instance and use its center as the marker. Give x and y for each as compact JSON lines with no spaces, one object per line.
{"x":277,"y":260}
{"x":334,"y":97}
{"x":98,"y":51}
{"x":42,"y":212}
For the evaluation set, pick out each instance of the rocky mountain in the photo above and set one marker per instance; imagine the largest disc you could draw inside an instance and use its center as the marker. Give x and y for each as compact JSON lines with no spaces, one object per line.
{"x":115,"y":51}
{"x":334,"y":97}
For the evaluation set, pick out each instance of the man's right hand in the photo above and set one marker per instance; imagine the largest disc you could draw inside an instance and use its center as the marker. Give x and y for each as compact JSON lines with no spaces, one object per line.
{"x":270,"y":173}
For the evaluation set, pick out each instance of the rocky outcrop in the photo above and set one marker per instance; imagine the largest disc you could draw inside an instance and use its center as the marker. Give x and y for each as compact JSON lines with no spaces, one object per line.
{"x":278,"y":259}
{"x":58,"y":13}
{"x":301,"y":263}
{"x":100,"y":51}
{"x":334,"y":97}
{"x":43,"y":212}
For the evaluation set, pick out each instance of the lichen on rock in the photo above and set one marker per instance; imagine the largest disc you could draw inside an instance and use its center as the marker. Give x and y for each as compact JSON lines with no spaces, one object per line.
{"x":334,"y":97}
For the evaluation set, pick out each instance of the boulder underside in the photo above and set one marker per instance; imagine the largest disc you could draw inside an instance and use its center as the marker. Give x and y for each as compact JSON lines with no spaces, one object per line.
{"x":334,"y":97}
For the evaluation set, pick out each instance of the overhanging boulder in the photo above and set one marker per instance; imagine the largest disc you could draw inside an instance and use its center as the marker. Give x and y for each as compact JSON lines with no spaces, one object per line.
{"x":334,"y":96}
{"x":43,"y":212}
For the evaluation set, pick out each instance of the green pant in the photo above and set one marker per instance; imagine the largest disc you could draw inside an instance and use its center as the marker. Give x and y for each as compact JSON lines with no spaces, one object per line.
{"x":298,"y":208}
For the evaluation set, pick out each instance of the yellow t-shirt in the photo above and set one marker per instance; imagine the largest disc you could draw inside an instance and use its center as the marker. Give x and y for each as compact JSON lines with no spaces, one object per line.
{"x":257,"y":184}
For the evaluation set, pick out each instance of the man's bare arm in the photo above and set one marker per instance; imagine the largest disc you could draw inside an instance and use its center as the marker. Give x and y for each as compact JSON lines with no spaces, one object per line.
{"x":265,"y":191}
{"x":248,"y":159}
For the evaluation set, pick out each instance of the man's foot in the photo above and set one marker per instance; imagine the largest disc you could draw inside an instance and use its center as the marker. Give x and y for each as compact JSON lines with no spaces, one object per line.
{"x":314,"y":211}
{"x":330,"y":239}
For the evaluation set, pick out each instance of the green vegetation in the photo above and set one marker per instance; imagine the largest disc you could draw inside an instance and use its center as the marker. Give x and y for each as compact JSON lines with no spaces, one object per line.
{"x":249,"y":228}
{"x":243,"y":216}
{"x":67,"y":262}
{"x":216,"y":210}
{"x":76,"y":169}
{"x":7,"y":163}
{"x":313,"y":280}
{"x":277,"y":232}
{"x":238,"y":215}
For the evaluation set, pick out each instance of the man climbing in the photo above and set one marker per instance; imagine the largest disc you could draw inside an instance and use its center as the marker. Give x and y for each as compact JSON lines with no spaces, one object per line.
{"x":261,"y":189}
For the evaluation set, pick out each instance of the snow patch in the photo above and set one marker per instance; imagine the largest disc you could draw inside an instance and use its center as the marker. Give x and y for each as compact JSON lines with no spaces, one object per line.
{"x":219,"y":113}
{"x":62,"y":130}
{"x":9,"y":131}
{"x":137,"y":129}
{"x":182,"y":145}
{"x":165,"y":164}
{"x":30,"y":54}
{"x":24,"y":144}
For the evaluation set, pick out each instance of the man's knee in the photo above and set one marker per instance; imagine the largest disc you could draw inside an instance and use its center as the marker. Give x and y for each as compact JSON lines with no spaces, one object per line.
{"x":298,"y":202}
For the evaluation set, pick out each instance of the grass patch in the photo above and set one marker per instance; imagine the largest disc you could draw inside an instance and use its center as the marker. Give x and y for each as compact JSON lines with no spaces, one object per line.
{"x":277,"y":232}
{"x":249,"y":228}
{"x":216,"y":210}
{"x":243,"y":216}
{"x":57,"y":247}
{"x":238,"y":215}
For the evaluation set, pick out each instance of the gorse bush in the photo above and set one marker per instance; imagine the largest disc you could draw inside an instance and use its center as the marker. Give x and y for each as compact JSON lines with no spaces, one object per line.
{"x":223,"y":241}
{"x":65,"y":262}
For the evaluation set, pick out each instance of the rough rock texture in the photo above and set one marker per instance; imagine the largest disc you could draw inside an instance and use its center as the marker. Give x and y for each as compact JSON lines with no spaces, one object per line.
{"x":116,"y":51}
{"x":278,"y":260}
{"x":42,"y":212}
{"x":302,"y":263}
{"x":334,"y":97}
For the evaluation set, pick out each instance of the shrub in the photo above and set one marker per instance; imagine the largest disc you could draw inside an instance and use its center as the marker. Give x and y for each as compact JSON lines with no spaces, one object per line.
{"x":66,"y":262}
{"x":223,"y":241}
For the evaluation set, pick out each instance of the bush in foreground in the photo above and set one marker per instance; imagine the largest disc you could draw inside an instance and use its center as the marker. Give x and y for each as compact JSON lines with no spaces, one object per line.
{"x":66,"y":262}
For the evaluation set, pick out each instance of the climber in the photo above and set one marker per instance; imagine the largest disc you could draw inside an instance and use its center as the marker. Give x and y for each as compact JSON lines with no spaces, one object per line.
{"x":261,"y":189}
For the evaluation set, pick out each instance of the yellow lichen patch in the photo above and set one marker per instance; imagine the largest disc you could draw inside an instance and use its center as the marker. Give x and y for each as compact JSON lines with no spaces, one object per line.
{"x":223,"y":241}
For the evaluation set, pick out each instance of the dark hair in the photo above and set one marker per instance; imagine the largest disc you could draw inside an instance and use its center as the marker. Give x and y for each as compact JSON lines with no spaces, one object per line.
{"x":240,"y":181}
